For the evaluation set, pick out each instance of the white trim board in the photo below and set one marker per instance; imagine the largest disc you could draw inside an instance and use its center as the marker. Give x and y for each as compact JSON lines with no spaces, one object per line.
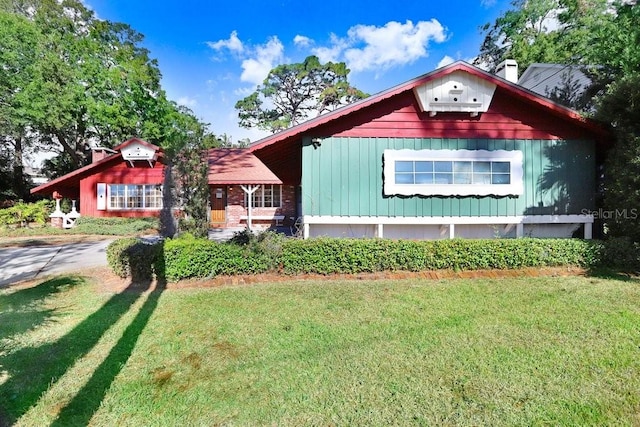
{"x":451,"y":222}
{"x":438,"y":220}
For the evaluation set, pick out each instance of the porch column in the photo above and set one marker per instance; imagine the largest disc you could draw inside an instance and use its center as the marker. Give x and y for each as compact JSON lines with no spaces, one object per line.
{"x":249,"y":190}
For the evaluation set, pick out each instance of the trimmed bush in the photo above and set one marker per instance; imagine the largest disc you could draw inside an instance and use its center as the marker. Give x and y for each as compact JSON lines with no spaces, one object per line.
{"x":189,"y":257}
{"x":328,"y":256}
{"x":131,"y":257}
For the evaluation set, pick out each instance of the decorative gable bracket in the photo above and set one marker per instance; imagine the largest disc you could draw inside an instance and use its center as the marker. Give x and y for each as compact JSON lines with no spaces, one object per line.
{"x":137,"y":151}
{"x":458,"y":92}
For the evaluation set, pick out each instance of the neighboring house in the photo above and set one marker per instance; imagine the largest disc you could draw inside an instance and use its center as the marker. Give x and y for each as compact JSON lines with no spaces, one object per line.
{"x":127,"y":182}
{"x":457,"y":152}
{"x":555,"y":80}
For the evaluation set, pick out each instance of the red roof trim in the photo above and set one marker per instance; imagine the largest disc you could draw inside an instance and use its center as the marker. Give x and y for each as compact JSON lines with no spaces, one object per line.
{"x":76,"y":175}
{"x":513,"y":88}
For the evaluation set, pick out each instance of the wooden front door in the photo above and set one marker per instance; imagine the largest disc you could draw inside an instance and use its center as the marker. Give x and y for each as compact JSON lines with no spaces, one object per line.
{"x":218,"y":205}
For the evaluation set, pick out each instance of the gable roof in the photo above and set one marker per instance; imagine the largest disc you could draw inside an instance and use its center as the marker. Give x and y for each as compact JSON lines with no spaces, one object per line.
{"x":238,"y":166}
{"x":71,"y":181}
{"x":512,"y":88}
{"x":543,"y":78}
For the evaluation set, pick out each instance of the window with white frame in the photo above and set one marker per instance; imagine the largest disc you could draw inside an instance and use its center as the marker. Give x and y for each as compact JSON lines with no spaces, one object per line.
{"x":134,"y":196}
{"x":267,"y":196}
{"x":453,"y":172}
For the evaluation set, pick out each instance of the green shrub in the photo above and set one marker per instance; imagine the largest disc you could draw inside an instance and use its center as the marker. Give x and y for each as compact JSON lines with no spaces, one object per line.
{"x":328,"y":256}
{"x":23,"y":214}
{"x":621,"y":253}
{"x":131,"y":257}
{"x":189,"y":257}
{"x":201,"y":258}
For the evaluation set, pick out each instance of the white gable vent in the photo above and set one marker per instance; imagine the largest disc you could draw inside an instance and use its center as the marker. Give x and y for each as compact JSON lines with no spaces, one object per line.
{"x":458,"y":92}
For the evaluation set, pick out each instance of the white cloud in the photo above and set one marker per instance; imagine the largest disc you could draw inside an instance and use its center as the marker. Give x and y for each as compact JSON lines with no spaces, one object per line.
{"x":187,"y":102}
{"x":333,"y":52}
{"x":487,"y":3}
{"x":265,"y":57}
{"x":302,"y":41}
{"x":368,"y":47}
{"x":233,"y":43}
{"x":445,"y":61}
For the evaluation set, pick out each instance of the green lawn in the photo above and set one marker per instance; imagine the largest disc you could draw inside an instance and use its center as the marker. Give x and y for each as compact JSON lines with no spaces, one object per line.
{"x":552,"y":351}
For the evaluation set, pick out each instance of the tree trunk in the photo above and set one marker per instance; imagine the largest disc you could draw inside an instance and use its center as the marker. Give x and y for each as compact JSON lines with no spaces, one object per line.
{"x":77,"y":161}
{"x":19,"y":183}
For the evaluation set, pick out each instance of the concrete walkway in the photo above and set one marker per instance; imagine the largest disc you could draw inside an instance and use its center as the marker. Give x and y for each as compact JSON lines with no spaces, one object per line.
{"x":28,"y":263}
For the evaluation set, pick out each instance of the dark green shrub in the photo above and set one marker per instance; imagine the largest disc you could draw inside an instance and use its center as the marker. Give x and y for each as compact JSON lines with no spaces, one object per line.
{"x":131,"y":257}
{"x":621,"y":253}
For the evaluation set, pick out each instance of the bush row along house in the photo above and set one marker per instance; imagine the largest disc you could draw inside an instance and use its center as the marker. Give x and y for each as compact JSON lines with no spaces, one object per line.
{"x":457,"y":152}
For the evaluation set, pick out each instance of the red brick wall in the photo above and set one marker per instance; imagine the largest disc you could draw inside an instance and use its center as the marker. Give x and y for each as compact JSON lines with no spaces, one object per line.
{"x":236,"y":208}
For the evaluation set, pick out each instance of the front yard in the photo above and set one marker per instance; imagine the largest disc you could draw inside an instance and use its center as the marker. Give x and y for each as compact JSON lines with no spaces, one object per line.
{"x":517,"y":351}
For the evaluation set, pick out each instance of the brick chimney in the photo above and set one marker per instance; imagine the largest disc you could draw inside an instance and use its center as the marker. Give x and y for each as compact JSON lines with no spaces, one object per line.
{"x":99,"y":153}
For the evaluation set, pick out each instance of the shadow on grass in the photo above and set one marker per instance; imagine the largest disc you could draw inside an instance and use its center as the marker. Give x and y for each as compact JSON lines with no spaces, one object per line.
{"x":615,"y":274}
{"x":23,"y":310}
{"x":32,"y":370}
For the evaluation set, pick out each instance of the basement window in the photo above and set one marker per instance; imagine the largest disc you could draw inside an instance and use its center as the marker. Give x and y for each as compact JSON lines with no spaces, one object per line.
{"x":452,"y":172}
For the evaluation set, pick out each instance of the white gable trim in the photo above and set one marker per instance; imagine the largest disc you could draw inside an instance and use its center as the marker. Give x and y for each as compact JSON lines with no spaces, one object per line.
{"x":455,"y":92}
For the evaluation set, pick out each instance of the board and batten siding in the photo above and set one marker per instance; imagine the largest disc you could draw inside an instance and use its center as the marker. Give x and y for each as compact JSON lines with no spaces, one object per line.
{"x":343,"y":177}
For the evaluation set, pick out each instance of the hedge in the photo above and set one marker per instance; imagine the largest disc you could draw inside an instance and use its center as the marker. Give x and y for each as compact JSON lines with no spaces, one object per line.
{"x":328,"y":256}
{"x":199,"y":258}
{"x":132,"y":257}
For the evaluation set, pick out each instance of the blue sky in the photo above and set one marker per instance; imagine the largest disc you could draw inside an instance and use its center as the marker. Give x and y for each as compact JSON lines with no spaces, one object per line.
{"x":211,"y":54}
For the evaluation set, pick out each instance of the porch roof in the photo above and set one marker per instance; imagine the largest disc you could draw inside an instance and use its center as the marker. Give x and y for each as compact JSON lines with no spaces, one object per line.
{"x":238,"y":166}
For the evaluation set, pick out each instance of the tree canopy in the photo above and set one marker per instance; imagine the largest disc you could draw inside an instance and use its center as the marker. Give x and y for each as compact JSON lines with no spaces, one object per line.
{"x":293,"y":93}
{"x":70,"y":80}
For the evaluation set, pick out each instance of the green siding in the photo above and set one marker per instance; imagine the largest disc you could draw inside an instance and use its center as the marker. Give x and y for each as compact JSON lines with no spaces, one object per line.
{"x":343,"y":177}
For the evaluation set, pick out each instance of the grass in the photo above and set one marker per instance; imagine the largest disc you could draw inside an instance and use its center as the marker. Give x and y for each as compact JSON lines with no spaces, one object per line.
{"x":543,"y":351}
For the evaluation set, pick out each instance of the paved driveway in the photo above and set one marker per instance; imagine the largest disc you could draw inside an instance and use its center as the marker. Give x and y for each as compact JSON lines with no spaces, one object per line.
{"x":31,"y":262}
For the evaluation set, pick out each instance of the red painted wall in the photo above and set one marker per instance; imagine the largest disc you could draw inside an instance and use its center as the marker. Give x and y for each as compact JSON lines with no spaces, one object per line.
{"x":507,"y":118}
{"x":121,"y":173}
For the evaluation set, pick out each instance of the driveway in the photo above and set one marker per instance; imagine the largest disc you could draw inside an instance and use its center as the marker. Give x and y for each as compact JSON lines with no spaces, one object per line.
{"x":26,"y":263}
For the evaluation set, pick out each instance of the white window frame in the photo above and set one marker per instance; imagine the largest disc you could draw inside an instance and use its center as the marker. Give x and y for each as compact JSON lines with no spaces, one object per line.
{"x":514,"y":188}
{"x":258,"y":197}
{"x":143,"y":192}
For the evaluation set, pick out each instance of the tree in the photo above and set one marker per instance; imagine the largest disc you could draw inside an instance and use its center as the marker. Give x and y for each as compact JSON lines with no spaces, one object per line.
{"x":292,"y":93}
{"x":554,"y":31}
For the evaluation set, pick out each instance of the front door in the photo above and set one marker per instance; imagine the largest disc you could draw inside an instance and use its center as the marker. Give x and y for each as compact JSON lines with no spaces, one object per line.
{"x":218,"y":205}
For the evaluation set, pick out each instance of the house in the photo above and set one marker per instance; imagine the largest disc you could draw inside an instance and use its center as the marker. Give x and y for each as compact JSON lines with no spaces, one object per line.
{"x":549,"y":79}
{"x":127,"y":181}
{"x":457,"y":152}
